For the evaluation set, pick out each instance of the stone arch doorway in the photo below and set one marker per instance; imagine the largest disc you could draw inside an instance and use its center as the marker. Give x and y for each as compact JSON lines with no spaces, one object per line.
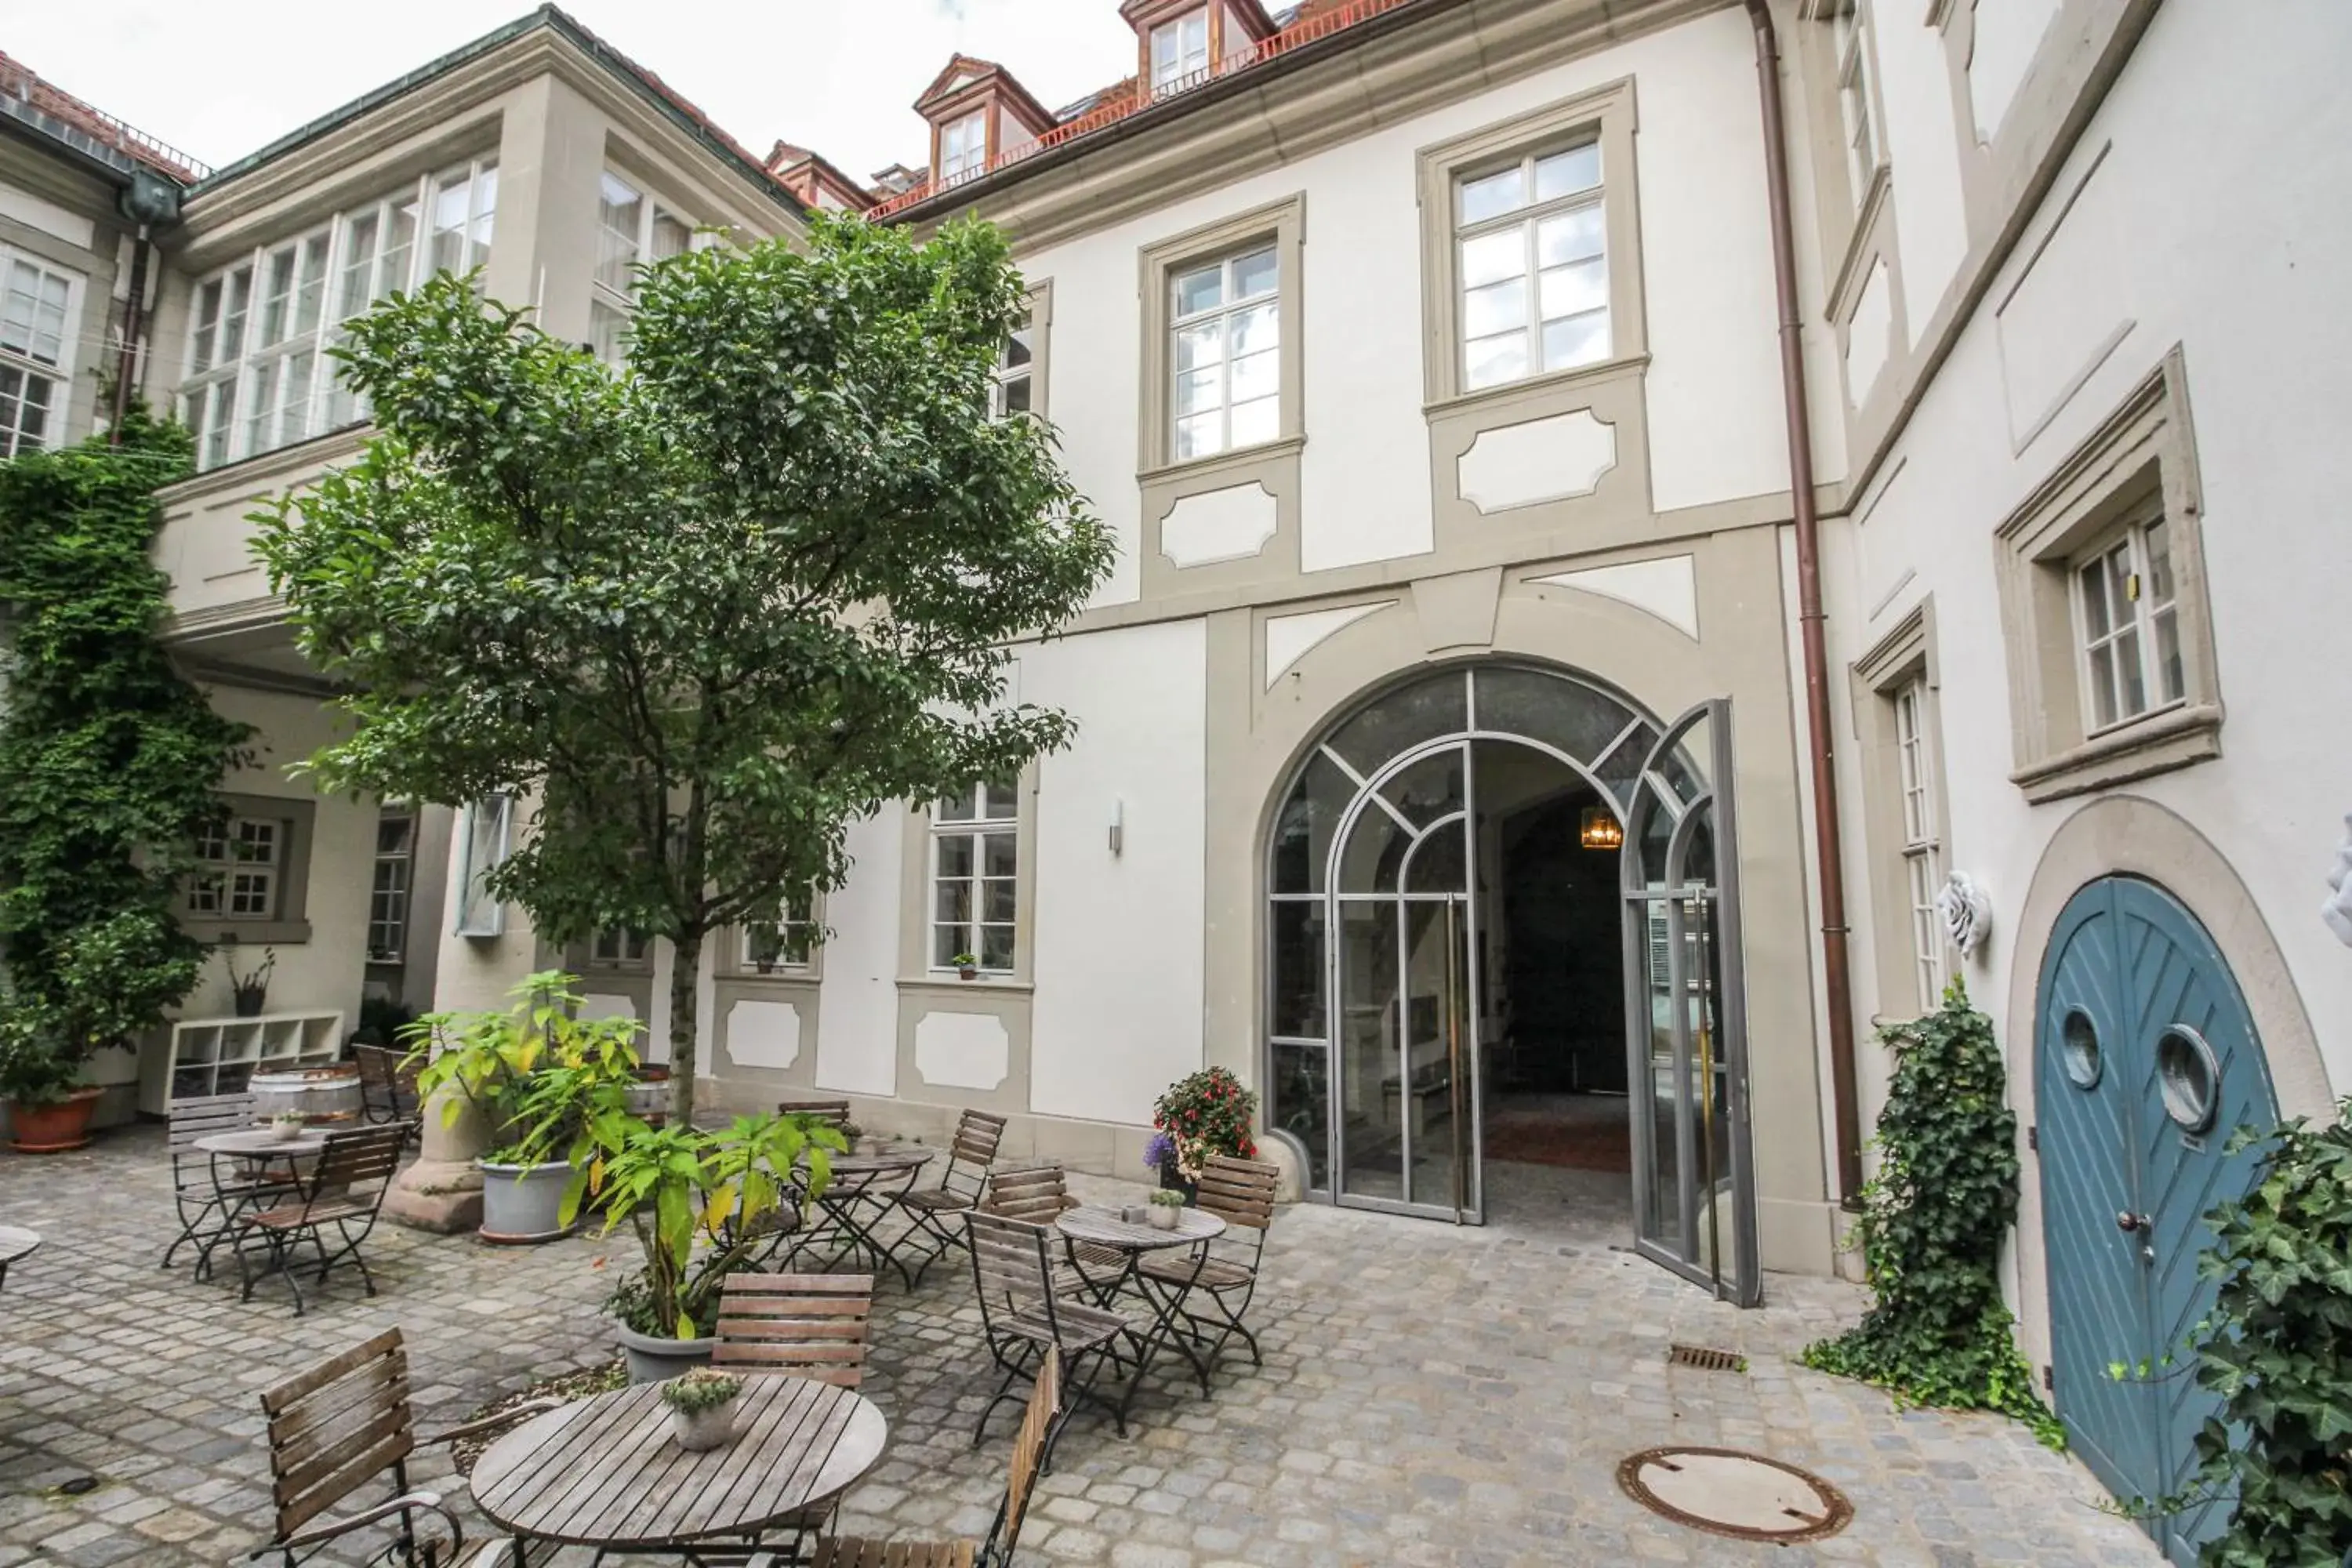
{"x":1394,"y":1027}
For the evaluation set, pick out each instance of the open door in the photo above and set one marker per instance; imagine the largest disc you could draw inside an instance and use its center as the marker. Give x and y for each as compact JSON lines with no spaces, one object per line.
{"x":1686,"y":1037}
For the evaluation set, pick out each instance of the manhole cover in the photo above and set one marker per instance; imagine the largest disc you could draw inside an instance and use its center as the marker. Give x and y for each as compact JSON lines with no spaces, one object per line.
{"x":1726,"y":1492}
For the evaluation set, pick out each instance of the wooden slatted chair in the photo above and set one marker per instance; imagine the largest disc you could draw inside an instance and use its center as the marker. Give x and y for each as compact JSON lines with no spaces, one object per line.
{"x":825,"y":1113}
{"x":338,"y":1426}
{"x":1037,"y":1193}
{"x":931,"y":1211}
{"x":808,"y":1325}
{"x":387,"y":1084}
{"x":206,"y":1201}
{"x":1025,"y":1318}
{"x":1240,"y":1192}
{"x":1004,"y":1534}
{"x":345,"y":1189}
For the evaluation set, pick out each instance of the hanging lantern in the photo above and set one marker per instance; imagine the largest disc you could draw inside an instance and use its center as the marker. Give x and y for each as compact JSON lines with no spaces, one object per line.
{"x":1601,"y":829}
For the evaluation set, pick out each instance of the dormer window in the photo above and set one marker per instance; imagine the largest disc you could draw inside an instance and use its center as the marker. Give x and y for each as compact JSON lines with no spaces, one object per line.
{"x":1180,"y":50}
{"x":963,"y":146}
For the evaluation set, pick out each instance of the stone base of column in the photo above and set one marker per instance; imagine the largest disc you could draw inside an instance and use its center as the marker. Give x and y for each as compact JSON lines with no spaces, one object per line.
{"x":441,"y":1196}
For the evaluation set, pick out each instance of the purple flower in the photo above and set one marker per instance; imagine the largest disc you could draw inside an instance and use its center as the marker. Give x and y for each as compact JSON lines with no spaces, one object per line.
{"x":1159,"y":1151}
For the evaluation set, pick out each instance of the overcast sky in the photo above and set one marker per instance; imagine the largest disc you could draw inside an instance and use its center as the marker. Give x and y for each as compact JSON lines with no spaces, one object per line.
{"x":218,"y":78}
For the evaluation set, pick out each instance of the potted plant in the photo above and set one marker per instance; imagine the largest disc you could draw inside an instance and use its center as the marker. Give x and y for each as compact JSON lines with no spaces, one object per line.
{"x":701,"y":1203}
{"x":1206,"y":1113}
{"x":538,"y":1075}
{"x":701,"y":1408}
{"x":92,"y":988}
{"x":248,"y":993}
{"x":289,"y":1125}
{"x":767,"y":948}
{"x":967,"y":966}
{"x":49,"y":1106}
{"x":1166,"y":1206}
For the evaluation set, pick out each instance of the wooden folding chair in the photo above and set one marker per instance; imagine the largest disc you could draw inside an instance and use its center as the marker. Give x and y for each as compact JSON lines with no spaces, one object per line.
{"x":931,"y":1211}
{"x":1240,"y":1192}
{"x":337,"y":1428}
{"x":204,"y":1201}
{"x":1024,"y":1316}
{"x":344,"y":1190}
{"x":1036,"y":1194}
{"x":387,"y":1084}
{"x":809,"y":1325}
{"x":824,"y":1112}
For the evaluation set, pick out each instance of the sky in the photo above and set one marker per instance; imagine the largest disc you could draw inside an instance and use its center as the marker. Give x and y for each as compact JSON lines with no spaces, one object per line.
{"x":218,"y":78}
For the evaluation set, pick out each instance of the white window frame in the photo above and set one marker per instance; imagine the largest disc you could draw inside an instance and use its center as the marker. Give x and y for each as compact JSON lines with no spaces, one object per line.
{"x":959,"y":160}
{"x":796,"y":938}
{"x":243,"y":858}
{"x":1222,"y":319}
{"x":390,"y":889}
{"x":1181,"y":61}
{"x":1029,"y":338}
{"x":617,"y":947}
{"x":651,"y":231}
{"x":984,"y":812}
{"x":451,"y":213}
{"x":2138,"y":599}
{"x":486,"y":833}
{"x":1923,"y":847}
{"x":1864,"y":145}
{"x":27,"y":363}
{"x":1528,"y":218}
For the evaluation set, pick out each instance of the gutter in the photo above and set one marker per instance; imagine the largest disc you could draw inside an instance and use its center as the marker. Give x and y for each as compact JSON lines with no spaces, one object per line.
{"x":1829,"y":853}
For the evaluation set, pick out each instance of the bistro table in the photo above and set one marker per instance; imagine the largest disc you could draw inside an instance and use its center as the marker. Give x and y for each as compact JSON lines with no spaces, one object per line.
{"x":15,"y":1242}
{"x":262,"y":1143}
{"x":258,"y":1151}
{"x":1107,"y":1227}
{"x":852,"y":1207}
{"x":606,"y":1472}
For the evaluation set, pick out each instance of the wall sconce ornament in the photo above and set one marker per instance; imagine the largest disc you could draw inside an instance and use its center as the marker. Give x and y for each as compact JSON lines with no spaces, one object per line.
{"x":2337,"y":910}
{"x":1117,"y":834}
{"x":1966,"y":911}
{"x":1601,"y":830}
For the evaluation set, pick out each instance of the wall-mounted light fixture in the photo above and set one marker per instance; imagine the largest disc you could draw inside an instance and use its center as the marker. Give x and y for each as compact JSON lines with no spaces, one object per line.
{"x":1601,"y":829}
{"x":1117,"y":827}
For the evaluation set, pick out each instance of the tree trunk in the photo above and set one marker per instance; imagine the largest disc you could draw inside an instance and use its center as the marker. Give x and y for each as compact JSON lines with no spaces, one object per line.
{"x":686,"y":970}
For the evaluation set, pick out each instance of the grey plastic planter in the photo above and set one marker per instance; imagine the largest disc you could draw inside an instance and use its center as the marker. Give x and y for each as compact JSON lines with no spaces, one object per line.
{"x":521,"y":1203}
{"x":656,"y":1359}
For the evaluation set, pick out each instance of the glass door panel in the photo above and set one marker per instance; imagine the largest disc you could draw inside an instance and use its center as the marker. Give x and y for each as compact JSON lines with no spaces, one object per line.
{"x":1438,"y":970}
{"x":1370,"y":1130}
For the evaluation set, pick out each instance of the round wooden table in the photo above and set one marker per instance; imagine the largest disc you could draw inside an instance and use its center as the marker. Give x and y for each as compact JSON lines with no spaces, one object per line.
{"x":604,"y":1471}
{"x":1105,"y":1227}
{"x":15,"y":1242}
{"x":851,"y":1210}
{"x":262,"y":1143}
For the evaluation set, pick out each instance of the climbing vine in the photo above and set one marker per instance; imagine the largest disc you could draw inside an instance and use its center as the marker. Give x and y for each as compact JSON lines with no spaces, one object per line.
{"x":2278,"y":1349}
{"x":1933,"y":1221}
{"x":110,"y":758}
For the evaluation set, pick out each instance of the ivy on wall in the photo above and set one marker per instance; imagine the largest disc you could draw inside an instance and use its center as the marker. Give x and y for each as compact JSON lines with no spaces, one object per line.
{"x":109,"y":758}
{"x":1933,"y":1221}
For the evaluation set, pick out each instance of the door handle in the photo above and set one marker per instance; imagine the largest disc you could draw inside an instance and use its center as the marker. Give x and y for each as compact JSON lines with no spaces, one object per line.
{"x":2128,"y":1221}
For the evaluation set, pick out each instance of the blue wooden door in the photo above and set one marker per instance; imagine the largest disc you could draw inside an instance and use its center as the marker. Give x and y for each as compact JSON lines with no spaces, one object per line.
{"x":2147,"y":1062}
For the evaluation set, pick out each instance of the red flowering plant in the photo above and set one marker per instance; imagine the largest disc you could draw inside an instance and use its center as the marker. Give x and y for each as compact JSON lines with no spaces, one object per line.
{"x":1208,"y":1113}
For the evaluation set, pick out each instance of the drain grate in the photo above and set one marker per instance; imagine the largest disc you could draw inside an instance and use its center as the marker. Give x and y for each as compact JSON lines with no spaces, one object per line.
{"x":1706,"y":1358}
{"x":1744,"y":1496}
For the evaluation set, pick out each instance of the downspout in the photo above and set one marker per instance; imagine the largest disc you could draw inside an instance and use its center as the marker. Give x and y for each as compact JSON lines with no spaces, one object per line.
{"x":1836,"y":972}
{"x":134,"y":320}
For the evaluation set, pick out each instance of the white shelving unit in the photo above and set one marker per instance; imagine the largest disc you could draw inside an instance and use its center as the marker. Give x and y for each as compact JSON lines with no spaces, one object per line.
{"x":220,"y":1056}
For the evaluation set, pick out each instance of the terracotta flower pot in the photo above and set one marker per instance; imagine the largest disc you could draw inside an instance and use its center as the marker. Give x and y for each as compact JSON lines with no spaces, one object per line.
{"x":53,"y":1129}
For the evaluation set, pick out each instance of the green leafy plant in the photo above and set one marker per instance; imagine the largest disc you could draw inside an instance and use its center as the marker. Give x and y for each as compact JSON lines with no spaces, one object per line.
{"x":1207,"y":1114}
{"x":705,"y":611}
{"x":111,"y":757}
{"x":252,"y":987}
{"x":1933,"y":1221}
{"x":701,"y":1202}
{"x":1167,"y":1198}
{"x":2277,"y":1348}
{"x":701,"y":1388}
{"x":538,"y":1074}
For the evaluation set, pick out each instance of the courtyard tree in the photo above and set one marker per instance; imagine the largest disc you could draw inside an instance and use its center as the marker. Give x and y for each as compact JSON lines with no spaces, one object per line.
{"x":703,"y":610}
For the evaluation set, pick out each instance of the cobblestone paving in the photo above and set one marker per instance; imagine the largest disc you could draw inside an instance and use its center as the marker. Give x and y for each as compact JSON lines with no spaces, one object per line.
{"x":1430,"y":1396}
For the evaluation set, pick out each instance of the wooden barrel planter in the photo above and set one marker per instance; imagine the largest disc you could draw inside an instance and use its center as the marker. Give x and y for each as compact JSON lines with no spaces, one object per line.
{"x":322,"y":1096}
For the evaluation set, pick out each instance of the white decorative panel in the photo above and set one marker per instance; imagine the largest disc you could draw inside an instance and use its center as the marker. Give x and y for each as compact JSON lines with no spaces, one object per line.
{"x":2008,"y":36}
{"x":1666,"y":588}
{"x":48,"y":217}
{"x":1868,"y":339}
{"x":1230,"y":524}
{"x":1540,"y":460}
{"x":962,"y":1050}
{"x":763,"y":1034}
{"x":1289,"y":638}
{"x":2064,"y":314}
{"x":595,"y":1007}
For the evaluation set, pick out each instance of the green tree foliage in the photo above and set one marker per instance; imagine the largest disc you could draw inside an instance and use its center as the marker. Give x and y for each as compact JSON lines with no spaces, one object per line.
{"x":2278,"y":1349}
{"x":705,"y":611}
{"x":110,"y":760}
{"x":1933,"y":1221}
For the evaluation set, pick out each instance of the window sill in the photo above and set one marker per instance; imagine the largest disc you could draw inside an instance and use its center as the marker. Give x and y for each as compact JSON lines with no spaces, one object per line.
{"x":246,"y":933}
{"x":809,"y":978}
{"x":2176,"y":738}
{"x":345,"y":440}
{"x":1007,"y":985}
{"x":1606,"y":371}
{"x":1239,"y":460}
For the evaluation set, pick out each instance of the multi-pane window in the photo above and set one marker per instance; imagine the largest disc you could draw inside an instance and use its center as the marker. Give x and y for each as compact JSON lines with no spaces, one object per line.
{"x":1861,"y":140}
{"x":785,"y":944}
{"x":975,"y":877}
{"x":617,"y":947}
{"x":963,"y":146}
{"x":387,"y":938}
{"x":1016,"y":370}
{"x":1180,"y":50}
{"x":258,"y":374}
{"x":632,"y":228}
{"x":1227,"y":363}
{"x":1923,"y":850}
{"x":36,"y":321}
{"x":489,"y":838}
{"x":240,"y":864}
{"x":1533,"y":257}
{"x":2128,"y":626}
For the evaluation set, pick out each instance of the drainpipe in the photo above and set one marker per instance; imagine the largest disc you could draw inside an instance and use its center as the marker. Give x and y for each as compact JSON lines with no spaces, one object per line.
{"x":134,"y":320}
{"x":1836,"y":972}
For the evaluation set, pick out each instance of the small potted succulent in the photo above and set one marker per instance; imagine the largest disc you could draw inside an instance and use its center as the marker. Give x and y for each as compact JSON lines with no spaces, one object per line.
{"x":287,"y":1125}
{"x":702,"y":1407}
{"x":1167,"y":1206}
{"x":967,"y":966}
